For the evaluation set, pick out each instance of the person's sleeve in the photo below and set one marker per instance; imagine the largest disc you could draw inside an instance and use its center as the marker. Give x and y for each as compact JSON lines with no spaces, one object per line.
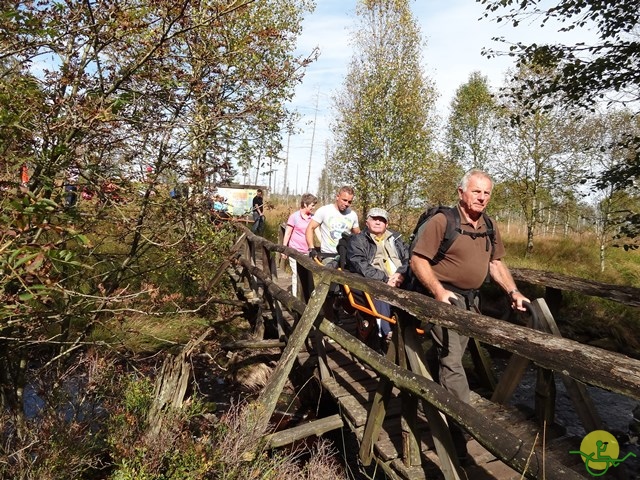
{"x":318,"y":216}
{"x":430,"y":237}
{"x":359,"y":263}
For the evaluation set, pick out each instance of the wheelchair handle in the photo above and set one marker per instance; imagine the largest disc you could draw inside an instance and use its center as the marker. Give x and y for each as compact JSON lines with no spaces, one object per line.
{"x":535,"y":324}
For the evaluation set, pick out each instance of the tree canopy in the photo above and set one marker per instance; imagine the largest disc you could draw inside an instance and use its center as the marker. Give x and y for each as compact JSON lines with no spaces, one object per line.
{"x":470,"y":131}
{"x":384,"y":121}
{"x":604,"y":73}
{"x":585,"y":74}
{"x":117,"y":101}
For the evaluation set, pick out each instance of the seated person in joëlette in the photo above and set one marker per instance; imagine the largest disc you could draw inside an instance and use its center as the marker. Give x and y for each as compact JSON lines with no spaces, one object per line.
{"x":380,"y":254}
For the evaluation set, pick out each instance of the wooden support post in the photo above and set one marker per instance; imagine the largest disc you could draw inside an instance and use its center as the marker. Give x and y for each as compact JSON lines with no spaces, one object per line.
{"x":511,"y":378}
{"x":409,"y":421}
{"x":245,"y":249}
{"x":276,"y":310}
{"x":512,"y":375}
{"x":267,"y":264}
{"x":252,"y":252}
{"x":272,"y":272}
{"x":577,"y":391}
{"x":376,"y":414}
{"x":411,"y":452}
{"x":258,"y":329}
{"x":483,"y":365}
{"x":321,"y":352}
{"x":269,"y":396}
{"x":437,"y":422}
{"x":545,"y":397}
{"x":281,"y":261}
{"x":553,"y":297}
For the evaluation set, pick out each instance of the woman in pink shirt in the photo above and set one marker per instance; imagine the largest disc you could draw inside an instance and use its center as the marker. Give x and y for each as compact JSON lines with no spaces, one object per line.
{"x":294,"y":234}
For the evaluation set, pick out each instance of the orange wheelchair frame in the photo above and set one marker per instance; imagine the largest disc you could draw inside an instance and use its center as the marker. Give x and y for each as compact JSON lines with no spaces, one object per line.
{"x":369,"y":308}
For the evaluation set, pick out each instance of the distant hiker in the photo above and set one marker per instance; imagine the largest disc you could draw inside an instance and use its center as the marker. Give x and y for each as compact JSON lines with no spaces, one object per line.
{"x":71,"y":187}
{"x":257,"y":207}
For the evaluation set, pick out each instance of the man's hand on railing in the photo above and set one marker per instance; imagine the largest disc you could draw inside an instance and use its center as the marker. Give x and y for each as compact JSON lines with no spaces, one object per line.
{"x":313,"y":254}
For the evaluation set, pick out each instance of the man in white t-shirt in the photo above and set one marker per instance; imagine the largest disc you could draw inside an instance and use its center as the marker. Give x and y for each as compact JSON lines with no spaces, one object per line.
{"x":333,"y":220}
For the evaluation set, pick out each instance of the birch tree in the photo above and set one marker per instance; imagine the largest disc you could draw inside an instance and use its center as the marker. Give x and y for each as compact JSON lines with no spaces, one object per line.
{"x":384,"y":113}
{"x":471,"y":127}
{"x":588,"y":74}
{"x":610,"y":132}
{"x":540,"y":152}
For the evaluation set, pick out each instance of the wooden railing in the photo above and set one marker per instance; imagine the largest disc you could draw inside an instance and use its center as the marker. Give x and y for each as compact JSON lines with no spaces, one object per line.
{"x":572,"y":360}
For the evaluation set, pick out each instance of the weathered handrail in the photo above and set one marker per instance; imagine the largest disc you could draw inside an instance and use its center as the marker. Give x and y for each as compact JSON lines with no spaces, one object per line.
{"x":591,"y":365}
{"x":595,"y":366}
{"x":618,"y":293}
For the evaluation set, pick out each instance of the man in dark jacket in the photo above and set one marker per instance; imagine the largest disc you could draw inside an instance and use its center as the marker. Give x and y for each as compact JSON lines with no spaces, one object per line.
{"x":380,"y":254}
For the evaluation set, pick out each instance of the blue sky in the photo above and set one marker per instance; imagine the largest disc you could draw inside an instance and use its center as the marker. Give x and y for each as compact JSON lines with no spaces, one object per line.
{"x":454,"y":38}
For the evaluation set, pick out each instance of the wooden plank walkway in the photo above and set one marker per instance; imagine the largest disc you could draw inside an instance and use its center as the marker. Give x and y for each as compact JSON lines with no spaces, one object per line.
{"x":353,"y":385}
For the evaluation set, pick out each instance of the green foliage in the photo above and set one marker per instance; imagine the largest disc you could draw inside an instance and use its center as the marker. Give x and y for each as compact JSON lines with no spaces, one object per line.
{"x":132,"y":104}
{"x":384,"y":124}
{"x":38,"y":249}
{"x":470,"y":132}
{"x":587,"y":71}
{"x":230,"y":448}
{"x":540,"y":158}
{"x":584,"y":74}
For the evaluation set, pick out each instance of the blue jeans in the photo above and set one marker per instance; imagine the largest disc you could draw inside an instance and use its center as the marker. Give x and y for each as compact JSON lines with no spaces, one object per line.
{"x":258,"y":223}
{"x":71,"y":197}
{"x":383,"y":309}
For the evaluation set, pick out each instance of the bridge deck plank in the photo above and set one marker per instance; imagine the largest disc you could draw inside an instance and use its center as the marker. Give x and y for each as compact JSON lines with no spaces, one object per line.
{"x":353,"y":387}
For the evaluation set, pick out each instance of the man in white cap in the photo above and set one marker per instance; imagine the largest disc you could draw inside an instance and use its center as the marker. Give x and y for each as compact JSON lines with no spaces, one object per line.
{"x":380,"y":254}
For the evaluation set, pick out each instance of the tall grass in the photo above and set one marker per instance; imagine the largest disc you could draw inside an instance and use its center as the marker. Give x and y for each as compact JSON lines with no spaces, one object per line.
{"x":576,"y":256}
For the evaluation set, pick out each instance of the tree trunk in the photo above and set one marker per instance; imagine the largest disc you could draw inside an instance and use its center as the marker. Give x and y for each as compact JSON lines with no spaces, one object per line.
{"x":529,"y":240}
{"x":171,"y":386}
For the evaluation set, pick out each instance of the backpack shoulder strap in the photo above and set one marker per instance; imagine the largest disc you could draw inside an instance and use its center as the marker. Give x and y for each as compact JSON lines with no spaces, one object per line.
{"x":491,"y":232}
{"x":451,"y":232}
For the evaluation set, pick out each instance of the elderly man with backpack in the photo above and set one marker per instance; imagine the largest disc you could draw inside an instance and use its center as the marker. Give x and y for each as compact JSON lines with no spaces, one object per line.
{"x":457,"y":273}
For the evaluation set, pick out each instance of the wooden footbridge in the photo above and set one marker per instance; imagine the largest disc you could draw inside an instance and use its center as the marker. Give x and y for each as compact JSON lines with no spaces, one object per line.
{"x":396,"y":411}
